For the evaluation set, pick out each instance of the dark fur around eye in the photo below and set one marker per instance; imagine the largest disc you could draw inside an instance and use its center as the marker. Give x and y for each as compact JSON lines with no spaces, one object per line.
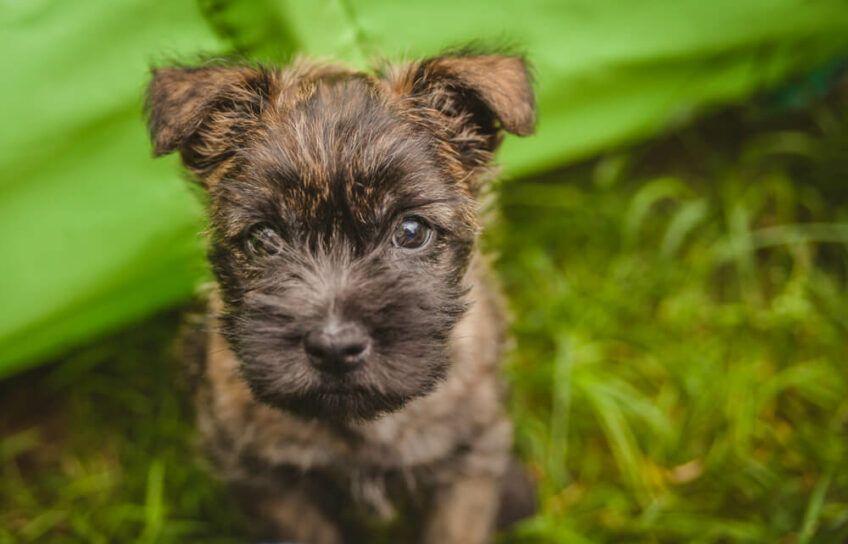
{"x":412,"y":233}
{"x":263,"y":239}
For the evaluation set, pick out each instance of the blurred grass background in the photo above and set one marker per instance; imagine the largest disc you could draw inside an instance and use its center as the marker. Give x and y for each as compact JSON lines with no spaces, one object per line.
{"x":679,"y":372}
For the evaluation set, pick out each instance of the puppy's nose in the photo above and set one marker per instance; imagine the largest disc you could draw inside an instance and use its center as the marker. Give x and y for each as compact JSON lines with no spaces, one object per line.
{"x":337,"y":348}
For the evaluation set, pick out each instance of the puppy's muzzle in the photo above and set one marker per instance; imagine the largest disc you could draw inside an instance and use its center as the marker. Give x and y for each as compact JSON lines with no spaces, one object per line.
{"x":337,"y":348}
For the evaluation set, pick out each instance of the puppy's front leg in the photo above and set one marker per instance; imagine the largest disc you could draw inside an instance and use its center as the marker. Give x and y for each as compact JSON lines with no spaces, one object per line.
{"x":464,"y":511}
{"x":293,"y":515}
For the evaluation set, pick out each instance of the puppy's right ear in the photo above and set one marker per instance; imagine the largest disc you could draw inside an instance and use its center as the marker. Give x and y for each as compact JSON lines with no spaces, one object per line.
{"x":205,"y":113}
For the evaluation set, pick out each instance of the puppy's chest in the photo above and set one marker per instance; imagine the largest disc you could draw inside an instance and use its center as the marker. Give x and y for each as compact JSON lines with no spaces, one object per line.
{"x":415,"y":437}
{"x":385,"y":464}
{"x":426,"y":431}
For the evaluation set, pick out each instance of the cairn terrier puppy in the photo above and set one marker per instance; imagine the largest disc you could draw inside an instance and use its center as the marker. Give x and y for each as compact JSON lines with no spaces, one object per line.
{"x":351,"y":346}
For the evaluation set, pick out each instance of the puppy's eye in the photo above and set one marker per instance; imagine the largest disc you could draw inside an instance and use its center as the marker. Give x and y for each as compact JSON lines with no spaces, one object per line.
{"x":412,"y":233}
{"x":263,"y":239}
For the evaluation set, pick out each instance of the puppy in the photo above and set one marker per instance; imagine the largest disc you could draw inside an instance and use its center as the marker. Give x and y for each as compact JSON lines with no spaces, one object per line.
{"x":352,"y":343}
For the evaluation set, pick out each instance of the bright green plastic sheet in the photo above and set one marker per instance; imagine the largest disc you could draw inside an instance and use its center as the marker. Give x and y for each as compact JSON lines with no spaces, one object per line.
{"x":94,"y":233}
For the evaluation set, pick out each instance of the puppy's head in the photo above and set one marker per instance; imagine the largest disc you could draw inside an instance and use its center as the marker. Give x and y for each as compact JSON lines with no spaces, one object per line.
{"x":342,"y":214}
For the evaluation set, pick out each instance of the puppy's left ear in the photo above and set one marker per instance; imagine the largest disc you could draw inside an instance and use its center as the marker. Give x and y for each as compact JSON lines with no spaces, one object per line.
{"x":468,"y":100}
{"x":205,"y":113}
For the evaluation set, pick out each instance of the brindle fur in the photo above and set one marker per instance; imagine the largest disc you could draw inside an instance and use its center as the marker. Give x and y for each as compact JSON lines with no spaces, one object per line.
{"x":333,"y":159}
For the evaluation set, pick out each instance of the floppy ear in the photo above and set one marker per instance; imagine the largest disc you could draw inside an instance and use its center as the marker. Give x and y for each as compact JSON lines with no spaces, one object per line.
{"x":205,"y":113}
{"x":475,"y":97}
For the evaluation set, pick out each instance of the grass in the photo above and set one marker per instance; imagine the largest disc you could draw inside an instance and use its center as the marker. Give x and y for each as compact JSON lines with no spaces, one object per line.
{"x":102,"y":450}
{"x":679,"y":371}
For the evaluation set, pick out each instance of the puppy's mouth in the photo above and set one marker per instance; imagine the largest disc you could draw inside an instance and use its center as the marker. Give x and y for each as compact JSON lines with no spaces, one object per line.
{"x":316,"y":383}
{"x":341,"y":402}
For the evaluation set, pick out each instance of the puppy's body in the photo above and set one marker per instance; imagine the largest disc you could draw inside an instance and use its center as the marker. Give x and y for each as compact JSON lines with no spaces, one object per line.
{"x":354,"y":337}
{"x":457,"y":435}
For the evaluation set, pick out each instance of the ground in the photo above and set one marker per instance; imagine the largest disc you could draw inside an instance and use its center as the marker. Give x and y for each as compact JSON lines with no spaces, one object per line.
{"x":680,"y":370}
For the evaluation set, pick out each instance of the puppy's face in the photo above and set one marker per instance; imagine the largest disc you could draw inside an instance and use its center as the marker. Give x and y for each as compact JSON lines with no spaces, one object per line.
{"x":343,"y":215}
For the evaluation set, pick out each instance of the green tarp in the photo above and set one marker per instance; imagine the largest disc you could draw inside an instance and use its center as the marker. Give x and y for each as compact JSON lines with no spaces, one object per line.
{"x":94,"y":233}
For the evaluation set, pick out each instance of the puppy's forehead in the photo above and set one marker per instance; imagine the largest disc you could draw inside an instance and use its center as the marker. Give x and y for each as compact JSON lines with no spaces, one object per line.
{"x":343,"y":148}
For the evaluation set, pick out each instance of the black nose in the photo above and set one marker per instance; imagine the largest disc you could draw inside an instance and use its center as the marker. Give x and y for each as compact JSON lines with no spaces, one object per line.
{"x":337,"y":348}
